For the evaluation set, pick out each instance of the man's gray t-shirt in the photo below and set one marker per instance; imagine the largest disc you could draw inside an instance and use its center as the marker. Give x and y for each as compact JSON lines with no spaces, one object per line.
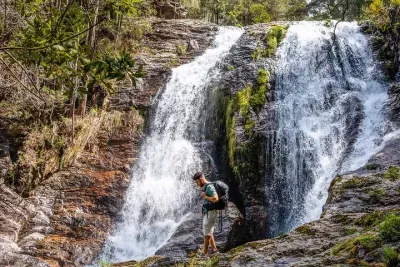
{"x":210,"y":191}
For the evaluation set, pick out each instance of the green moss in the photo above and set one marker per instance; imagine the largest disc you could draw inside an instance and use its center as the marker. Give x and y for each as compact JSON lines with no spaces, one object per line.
{"x":230,"y":67}
{"x":181,"y":49}
{"x":249,"y":126}
{"x":349,"y":231}
{"x":351,"y":246}
{"x":235,"y":251}
{"x":327,"y":22}
{"x":369,"y":242}
{"x":274,"y":37}
{"x":282,"y":236}
{"x":212,"y":262}
{"x":341,"y":218}
{"x":390,"y":228}
{"x":263,"y":77}
{"x":232,"y":142}
{"x":376,"y":193}
{"x":306,"y":230}
{"x":258,"y":97}
{"x":257,"y":53}
{"x":372,"y":166}
{"x":371,"y":219}
{"x":392,"y":173}
{"x":355,"y":182}
{"x":243,"y":97}
{"x":390,"y":257}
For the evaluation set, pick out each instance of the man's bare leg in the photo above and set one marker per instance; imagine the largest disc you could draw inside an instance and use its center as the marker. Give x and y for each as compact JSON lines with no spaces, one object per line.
{"x":212,"y":243}
{"x":206,"y":243}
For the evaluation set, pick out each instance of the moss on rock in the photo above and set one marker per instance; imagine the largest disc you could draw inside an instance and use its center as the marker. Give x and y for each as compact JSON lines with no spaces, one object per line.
{"x":392,"y":173}
{"x":274,"y":37}
{"x":351,"y":246}
{"x":390,"y":228}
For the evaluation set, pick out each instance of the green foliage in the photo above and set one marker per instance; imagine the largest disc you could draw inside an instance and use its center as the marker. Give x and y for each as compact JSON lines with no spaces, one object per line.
{"x":243,"y":97}
{"x":246,"y":12}
{"x":376,"y":193}
{"x":306,"y":230}
{"x":263,"y":77}
{"x":378,"y":12}
{"x":390,"y":257}
{"x":372,"y":166}
{"x":390,"y":228}
{"x":392,"y":173}
{"x":366,"y":241}
{"x":230,"y":68}
{"x":259,"y":13}
{"x":59,"y":54}
{"x":274,"y":37}
{"x":357,"y":182}
{"x":230,"y":123}
{"x":212,"y":262}
{"x":258,"y":97}
{"x":112,"y":68}
{"x":181,"y":49}
{"x":371,"y":219}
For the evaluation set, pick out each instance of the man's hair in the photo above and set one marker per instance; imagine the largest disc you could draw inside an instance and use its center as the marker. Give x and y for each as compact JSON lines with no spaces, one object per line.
{"x":197,"y":175}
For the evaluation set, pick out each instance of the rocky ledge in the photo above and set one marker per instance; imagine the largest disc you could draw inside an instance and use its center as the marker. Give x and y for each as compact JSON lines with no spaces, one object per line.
{"x":359,"y":226}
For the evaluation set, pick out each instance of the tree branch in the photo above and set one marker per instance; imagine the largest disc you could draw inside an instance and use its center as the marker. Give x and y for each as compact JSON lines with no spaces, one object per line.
{"x":334,"y":36}
{"x":26,"y":72}
{"x":15,"y":76}
{"x":50,"y":45}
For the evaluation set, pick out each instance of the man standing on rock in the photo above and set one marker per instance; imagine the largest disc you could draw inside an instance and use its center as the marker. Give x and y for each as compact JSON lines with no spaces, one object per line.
{"x":210,"y":196}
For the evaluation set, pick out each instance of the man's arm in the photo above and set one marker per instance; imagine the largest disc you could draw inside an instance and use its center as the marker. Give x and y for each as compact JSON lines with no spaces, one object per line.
{"x":214,"y":196}
{"x":212,"y":199}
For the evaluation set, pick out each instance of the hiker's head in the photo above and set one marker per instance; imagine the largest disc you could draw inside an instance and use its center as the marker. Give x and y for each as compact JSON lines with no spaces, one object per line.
{"x":199,"y":179}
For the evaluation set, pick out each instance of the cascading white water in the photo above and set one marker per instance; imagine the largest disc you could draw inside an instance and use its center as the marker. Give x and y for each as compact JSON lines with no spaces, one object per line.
{"x":161,"y":187}
{"x":329,"y":118}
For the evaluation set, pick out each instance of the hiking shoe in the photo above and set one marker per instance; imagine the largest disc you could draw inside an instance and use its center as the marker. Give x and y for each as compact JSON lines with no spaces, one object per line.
{"x":200,"y":254}
{"x":211,"y":252}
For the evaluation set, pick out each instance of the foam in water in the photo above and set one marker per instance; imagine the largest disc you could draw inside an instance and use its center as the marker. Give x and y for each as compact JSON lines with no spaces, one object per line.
{"x":160,"y":192}
{"x":329,"y":118}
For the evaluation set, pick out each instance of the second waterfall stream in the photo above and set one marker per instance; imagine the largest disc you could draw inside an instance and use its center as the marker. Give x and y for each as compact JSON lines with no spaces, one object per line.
{"x":168,"y":159}
{"x":329,"y":115}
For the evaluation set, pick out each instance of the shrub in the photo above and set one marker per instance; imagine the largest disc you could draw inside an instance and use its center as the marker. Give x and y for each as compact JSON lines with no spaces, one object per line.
{"x":390,"y":257}
{"x":390,"y":228}
{"x":392,"y":173}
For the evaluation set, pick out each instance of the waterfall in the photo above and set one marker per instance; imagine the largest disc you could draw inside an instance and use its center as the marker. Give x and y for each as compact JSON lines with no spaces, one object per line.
{"x":329,"y":118}
{"x":161,"y":191}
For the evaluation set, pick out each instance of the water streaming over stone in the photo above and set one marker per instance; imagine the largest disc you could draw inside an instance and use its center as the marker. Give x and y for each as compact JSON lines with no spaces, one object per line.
{"x":329,"y":118}
{"x":160,"y":184}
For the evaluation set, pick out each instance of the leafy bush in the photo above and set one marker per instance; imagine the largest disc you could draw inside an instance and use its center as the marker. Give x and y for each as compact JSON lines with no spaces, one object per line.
{"x":390,"y":228}
{"x":390,"y":257}
{"x":392,"y":173}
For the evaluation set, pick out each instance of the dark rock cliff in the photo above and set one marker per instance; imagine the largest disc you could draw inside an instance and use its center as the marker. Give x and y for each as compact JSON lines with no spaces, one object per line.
{"x":247,"y":118}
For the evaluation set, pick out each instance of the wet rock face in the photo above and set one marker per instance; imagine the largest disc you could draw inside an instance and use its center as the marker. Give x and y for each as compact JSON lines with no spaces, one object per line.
{"x":241,"y":69}
{"x":362,"y":209}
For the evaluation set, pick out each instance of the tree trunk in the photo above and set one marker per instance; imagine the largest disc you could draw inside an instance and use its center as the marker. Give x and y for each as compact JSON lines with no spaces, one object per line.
{"x":92,"y":43}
